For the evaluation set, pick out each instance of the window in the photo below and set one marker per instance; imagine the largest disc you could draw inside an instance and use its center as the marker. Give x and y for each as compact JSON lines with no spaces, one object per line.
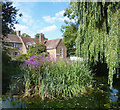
{"x":29,"y":44}
{"x":33,"y":43}
{"x":15,"y":53}
{"x":61,"y":52}
{"x":15,"y":45}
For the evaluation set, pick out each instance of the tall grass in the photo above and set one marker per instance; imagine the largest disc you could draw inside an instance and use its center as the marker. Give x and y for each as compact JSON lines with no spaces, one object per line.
{"x":46,"y":78}
{"x":51,"y":79}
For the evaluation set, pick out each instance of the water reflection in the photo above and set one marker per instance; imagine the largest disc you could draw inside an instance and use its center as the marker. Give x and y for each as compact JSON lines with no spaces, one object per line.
{"x":114,"y":95}
{"x":89,"y":101}
{"x":12,"y":102}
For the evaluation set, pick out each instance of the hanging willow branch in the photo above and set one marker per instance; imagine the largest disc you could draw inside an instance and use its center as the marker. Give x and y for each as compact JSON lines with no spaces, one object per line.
{"x":99,"y":33}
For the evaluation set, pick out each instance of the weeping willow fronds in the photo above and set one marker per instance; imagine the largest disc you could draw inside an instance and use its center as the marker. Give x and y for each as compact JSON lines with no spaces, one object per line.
{"x":98,"y":33}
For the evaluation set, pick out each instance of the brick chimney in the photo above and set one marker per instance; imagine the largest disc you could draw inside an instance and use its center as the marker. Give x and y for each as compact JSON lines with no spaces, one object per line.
{"x":18,"y":33}
{"x":41,"y":37}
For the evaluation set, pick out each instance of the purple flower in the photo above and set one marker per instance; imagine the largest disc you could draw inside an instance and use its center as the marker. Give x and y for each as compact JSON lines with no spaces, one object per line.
{"x":37,"y":62}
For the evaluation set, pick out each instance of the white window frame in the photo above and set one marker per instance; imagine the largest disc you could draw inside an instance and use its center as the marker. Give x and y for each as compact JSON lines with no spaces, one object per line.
{"x":61,"y":52}
{"x":15,"y":45}
{"x":33,"y":44}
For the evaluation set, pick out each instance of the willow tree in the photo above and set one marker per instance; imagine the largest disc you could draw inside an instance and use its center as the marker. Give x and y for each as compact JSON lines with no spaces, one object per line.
{"x":98,"y":36}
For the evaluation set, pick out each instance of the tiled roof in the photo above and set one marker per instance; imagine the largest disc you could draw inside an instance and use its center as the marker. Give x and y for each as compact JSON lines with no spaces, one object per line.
{"x":52,"y":44}
{"x":12,"y":38}
{"x":26,"y":40}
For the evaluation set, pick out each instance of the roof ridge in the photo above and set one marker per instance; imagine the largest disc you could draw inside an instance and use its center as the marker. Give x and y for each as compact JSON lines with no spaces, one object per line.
{"x":12,"y":34}
{"x":29,"y":37}
{"x":56,"y":39}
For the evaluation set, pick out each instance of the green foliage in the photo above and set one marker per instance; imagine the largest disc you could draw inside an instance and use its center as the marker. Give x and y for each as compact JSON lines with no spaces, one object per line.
{"x":88,"y":100}
{"x":98,"y":33}
{"x":70,"y":32}
{"x":21,"y":57}
{"x":12,"y":32}
{"x":36,"y":49}
{"x":60,"y":79}
{"x":9,"y":69}
{"x":37,"y":36}
{"x":5,"y":57}
{"x":9,"y":13}
{"x":25,"y":35}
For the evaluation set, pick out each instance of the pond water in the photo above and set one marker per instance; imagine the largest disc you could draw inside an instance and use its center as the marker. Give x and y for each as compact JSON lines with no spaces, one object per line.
{"x":94,"y":100}
{"x":12,"y":102}
{"x":114,"y":95}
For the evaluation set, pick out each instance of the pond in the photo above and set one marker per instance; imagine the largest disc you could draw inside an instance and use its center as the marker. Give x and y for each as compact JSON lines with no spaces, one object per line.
{"x":12,"y":102}
{"x":94,"y":100}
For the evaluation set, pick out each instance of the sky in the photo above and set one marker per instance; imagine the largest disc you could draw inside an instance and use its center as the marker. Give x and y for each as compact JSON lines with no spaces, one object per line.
{"x":41,"y":17}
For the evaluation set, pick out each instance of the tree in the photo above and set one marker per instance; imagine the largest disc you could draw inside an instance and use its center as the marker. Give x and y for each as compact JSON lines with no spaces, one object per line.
{"x":70,"y":31}
{"x":70,"y":34}
{"x":37,"y":36}
{"x":37,"y":49}
{"x":98,"y":33}
{"x":8,"y":16}
{"x":25,"y":35}
{"x":12,"y":32}
{"x":9,"y":13}
{"x":21,"y":57}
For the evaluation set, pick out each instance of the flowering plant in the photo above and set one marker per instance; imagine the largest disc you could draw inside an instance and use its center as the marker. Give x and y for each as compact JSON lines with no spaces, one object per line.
{"x":48,"y":78}
{"x":37,"y":61}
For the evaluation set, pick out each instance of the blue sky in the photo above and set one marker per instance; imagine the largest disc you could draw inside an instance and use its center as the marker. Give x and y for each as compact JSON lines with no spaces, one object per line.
{"x":45,"y":17}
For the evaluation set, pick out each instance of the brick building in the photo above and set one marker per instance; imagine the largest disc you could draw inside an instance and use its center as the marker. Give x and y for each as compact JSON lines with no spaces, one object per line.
{"x":20,"y":45}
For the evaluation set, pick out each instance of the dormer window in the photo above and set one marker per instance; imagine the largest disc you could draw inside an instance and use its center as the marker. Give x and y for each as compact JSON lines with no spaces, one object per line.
{"x":29,"y":44}
{"x":33,"y":43}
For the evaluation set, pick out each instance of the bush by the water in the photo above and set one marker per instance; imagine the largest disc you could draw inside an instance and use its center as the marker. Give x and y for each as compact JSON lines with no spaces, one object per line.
{"x":9,"y":69}
{"x":47,"y":78}
{"x":37,"y":49}
{"x":21,"y":57}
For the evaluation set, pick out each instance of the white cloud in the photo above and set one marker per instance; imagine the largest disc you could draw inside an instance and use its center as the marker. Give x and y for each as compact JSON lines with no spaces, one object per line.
{"x":20,"y":27}
{"x":27,"y":19}
{"x":49,"y":19}
{"x":58,"y":17}
{"x":24,"y":29}
{"x":48,"y":29}
{"x":62,"y":19}
{"x":60,"y":13}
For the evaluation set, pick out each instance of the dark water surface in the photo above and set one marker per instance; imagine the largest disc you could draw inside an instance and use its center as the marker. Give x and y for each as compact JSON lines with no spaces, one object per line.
{"x":88,"y":100}
{"x":101,"y":97}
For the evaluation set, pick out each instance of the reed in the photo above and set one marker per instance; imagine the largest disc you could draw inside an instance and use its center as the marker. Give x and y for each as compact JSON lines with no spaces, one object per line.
{"x":51,"y":79}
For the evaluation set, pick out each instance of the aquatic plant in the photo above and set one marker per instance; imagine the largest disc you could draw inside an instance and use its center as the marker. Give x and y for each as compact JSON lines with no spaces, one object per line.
{"x":47,"y":78}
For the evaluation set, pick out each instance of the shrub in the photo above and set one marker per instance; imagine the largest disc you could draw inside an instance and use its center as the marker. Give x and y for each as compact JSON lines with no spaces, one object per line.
{"x":36,"y":49}
{"x":21,"y":57}
{"x":9,"y":69}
